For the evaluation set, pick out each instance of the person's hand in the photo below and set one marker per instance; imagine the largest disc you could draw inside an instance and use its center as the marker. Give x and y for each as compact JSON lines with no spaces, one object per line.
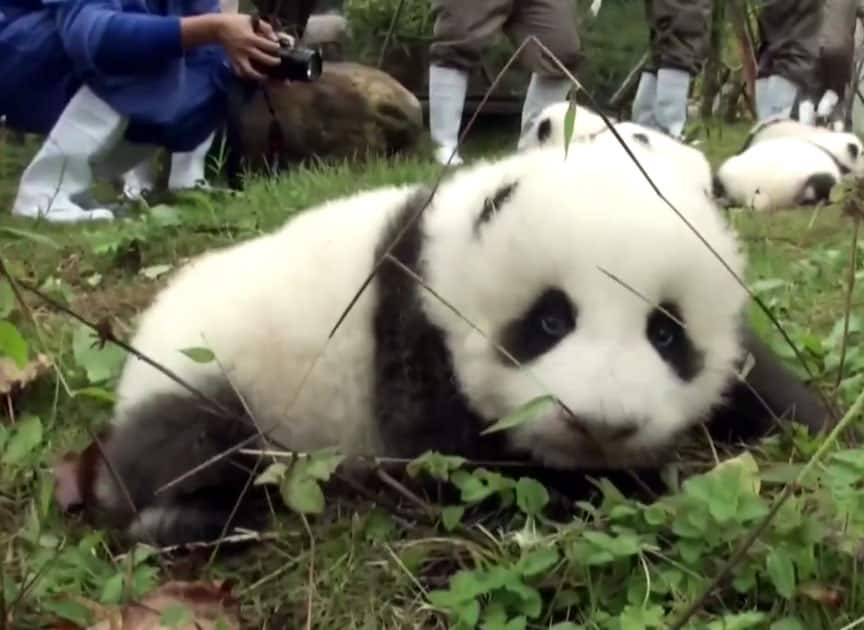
{"x":244,"y":45}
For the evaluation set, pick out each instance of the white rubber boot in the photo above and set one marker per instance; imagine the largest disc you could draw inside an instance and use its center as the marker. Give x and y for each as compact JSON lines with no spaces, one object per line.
{"x":139,"y":181}
{"x":447,"y":90}
{"x":541,"y":93}
{"x":807,"y":112}
{"x":827,"y":106}
{"x":642,"y":111}
{"x":670,"y":106}
{"x":62,"y":170}
{"x":187,"y":169}
{"x":775,"y":97}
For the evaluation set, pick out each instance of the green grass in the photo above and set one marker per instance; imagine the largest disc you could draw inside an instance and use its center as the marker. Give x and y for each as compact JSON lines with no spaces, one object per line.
{"x":360,"y":565}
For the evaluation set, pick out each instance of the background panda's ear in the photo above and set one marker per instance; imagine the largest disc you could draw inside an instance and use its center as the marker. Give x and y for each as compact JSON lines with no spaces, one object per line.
{"x":642,"y":139}
{"x":493,"y":205}
{"x":544,"y":130}
{"x":853,"y":150}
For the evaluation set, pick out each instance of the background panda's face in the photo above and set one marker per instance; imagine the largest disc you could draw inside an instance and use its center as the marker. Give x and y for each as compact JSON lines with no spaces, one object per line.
{"x":548,"y":129}
{"x":844,"y":146}
{"x":852,"y":151}
{"x":600,"y":293}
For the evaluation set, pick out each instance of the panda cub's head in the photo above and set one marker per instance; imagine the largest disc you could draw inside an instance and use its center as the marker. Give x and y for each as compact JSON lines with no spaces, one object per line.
{"x":689,"y":162}
{"x":548,"y":129}
{"x":588,"y":126}
{"x":599,"y":292}
{"x":844,"y":147}
{"x":777,"y":173}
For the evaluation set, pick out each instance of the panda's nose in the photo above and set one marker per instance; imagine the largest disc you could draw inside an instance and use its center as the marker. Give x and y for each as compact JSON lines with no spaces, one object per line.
{"x":602,"y":430}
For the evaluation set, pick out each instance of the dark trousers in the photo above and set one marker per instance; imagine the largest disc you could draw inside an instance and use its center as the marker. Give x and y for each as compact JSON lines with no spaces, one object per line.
{"x":464,"y":29}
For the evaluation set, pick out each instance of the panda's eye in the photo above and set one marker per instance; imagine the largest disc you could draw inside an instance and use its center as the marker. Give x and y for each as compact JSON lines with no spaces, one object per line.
{"x":548,"y":320}
{"x":664,"y":328}
{"x":665,"y":331}
{"x":663,"y":335}
{"x":555,"y":326}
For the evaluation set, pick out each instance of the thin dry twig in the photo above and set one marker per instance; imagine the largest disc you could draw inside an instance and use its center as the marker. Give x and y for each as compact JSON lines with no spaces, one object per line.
{"x":16,"y":286}
{"x":405,"y":492}
{"x":441,"y":174}
{"x":105,"y":333}
{"x":850,"y":289}
{"x":311,"y":577}
{"x":784,"y":495}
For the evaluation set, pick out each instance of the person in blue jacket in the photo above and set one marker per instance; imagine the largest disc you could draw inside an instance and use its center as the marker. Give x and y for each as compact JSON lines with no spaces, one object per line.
{"x":110,"y":81}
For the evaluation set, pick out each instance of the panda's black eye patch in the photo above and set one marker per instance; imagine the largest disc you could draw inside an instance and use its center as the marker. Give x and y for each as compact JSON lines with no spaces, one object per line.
{"x":665,"y":332}
{"x":853,"y":150}
{"x":550,"y":318}
{"x":544,"y":130}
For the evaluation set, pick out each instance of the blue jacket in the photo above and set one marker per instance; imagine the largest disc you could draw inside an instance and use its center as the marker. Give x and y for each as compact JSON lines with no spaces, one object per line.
{"x":127,"y":51}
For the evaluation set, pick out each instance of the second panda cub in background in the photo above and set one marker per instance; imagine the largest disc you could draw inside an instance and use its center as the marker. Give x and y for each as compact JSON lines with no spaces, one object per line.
{"x":589,"y":127}
{"x":785,"y":163}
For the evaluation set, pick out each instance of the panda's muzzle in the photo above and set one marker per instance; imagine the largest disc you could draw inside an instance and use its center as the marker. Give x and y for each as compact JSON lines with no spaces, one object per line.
{"x":601,"y":431}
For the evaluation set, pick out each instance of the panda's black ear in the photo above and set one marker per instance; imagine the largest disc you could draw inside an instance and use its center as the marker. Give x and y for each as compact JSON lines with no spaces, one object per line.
{"x":492,"y":205}
{"x":717,"y":187}
{"x":544,"y":130}
{"x":642,"y":138}
{"x":853,"y":150}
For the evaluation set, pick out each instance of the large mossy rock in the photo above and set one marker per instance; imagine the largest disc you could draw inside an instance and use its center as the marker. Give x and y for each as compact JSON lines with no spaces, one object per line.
{"x":352,"y":111}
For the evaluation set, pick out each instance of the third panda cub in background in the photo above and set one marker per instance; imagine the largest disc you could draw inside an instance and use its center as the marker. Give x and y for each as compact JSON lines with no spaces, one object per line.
{"x":845,"y":148}
{"x":776,"y":174}
{"x":785,"y":163}
{"x":589,"y":127}
{"x":578,"y":283}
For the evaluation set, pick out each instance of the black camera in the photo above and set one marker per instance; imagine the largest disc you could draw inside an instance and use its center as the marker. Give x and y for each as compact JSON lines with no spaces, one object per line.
{"x":296,"y":63}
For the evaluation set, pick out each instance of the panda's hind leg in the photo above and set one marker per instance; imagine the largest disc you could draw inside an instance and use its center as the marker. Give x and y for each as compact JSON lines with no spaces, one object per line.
{"x":772,"y":391}
{"x":160,"y":440}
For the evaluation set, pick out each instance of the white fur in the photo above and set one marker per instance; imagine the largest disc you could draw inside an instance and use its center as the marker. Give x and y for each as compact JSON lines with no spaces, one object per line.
{"x":691,"y":163}
{"x":586,"y":123}
{"x":837,"y":143}
{"x":266,"y":306}
{"x":772,"y":174}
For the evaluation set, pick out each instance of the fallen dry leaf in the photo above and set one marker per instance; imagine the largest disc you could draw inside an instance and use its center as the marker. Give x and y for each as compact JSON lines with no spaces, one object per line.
{"x":67,"y":489}
{"x":826,"y":595}
{"x":14,"y":379}
{"x":208,"y":606}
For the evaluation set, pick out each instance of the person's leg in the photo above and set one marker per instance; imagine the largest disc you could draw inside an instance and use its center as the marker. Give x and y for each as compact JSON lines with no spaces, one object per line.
{"x":642,"y":109}
{"x":789,"y":31}
{"x":553,"y":23}
{"x":187,"y":168}
{"x":139,"y":181}
{"x":681,"y":38}
{"x":61,"y":172}
{"x":461,"y":33}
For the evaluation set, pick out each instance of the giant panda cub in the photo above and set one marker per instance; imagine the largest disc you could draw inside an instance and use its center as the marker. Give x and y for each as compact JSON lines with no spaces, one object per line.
{"x":844,"y":147}
{"x":548,"y":132}
{"x":548,"y":128}
{"x":690,"y":163}
{"x":785,"y":163}
{"x":777,"y":173}
{"x":577,"y":282}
